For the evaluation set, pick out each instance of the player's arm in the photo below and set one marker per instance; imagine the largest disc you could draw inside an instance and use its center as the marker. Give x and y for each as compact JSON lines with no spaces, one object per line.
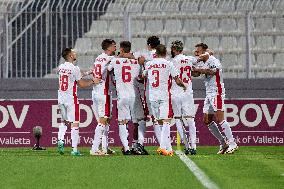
{"x":206,"y":71}
{"x":179,"y":82}
{"x":141,"y":60}
{"x":84,"y":83}
{"x":84,"y":74}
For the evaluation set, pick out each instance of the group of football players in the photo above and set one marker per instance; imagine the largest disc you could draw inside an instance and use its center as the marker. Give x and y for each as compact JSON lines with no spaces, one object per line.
{"x":150,"y":87}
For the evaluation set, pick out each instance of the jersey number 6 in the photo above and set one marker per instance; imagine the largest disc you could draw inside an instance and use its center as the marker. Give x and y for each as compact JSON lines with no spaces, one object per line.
{"x":126,"y":75}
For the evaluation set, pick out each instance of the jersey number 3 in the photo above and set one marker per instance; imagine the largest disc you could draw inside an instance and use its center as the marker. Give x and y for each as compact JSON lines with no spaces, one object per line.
{"x":64,"y":82}
{"x":156,"y":75}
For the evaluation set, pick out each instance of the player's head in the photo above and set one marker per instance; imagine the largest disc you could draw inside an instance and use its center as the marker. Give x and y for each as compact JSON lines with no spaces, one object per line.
{"x":109,"y":46}
{"x":125,"y":47}
{"x":176,"y":48}
{"x":153,"y":42}
{"x":200,"y":48}
{"x":69,"y":55}
{"x":161,"y":51}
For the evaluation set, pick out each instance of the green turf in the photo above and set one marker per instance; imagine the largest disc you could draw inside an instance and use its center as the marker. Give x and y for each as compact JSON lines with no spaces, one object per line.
{"x":250,"y":167}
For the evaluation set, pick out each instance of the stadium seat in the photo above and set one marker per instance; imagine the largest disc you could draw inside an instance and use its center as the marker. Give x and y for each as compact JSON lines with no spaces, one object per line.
{"x":137,"y":26}
{"x":98,"y":27}
{"x":245,"y":5}
{"x":212,"y":42}
{"x":114,"y":10}
{"x":279,"y":60}
{"x":154,"y":26}
{"x":190,"y":42}
{"x":241,"y":42}
{"x":172,"y":26}
{"x":189,"y":6}
{"x":263,"y":5}
{"x":85,"y":62}
{"x":97,"y":44}
{"x":264,"y":60}
{"x":209,"y":25}
{"x":279,"y":25}
{"x":279,"y":42}
{"x":228,"y":60}
{"x":116,"y":27}
{"x":191,"y":25}
{"x":264,"y":24}
{"x":82,"y":45}
{"x":138,"y":44}
{"x":226,"y":6}
{"x":228,"y":24}
{"x":152,"y":8}
{"x":170,"y":7}
{"x":242,"y":60}
{"x":278,"y":6}
{"x":264,"y":42}
{"x":208,"y":7}
{"x":134,"y":7}
{"x":228,"y":43}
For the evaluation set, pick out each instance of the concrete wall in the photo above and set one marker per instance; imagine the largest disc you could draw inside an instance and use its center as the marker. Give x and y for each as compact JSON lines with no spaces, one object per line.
{"x":235,"y":88}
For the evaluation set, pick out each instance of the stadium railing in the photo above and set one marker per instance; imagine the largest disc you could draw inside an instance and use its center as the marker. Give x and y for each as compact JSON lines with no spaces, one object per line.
{"x":246,"y":35}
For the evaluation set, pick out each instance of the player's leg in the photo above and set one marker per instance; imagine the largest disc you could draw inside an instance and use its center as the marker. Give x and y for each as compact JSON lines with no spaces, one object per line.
{"x":73,"y":114}
{"x":208,"y":110}
{"x":139,"y":117}
{"x":123,"y":118}
{"x":188,"y":112}
{"x":102,"y":112}
{"x":154,"y":106}
{"x":105,"y":147}
{"x":177,"y":109}
{"x":62,"y":128}
{"x":166,"y":114}
{"x":219,"y":114}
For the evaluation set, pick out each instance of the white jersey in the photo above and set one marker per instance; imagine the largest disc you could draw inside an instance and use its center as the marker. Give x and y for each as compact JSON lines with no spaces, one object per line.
{"x":100,"y":70}
{"x":159,"y":72}
{"x":184,"y":65}
{"x":214,"y":83}
{"x":69,"y":74}
{"x":148,"y":55}
{"x":126,"y":72}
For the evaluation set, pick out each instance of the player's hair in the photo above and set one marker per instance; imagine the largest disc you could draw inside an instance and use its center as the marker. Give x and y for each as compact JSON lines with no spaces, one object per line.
{"x":66,"y":52}
{"x":177,"y":45}
{"x":153,"y":41}
{"x":126,"y":46}
{"x":161,"y":50}
{"x":202,"y":45}
{"x":107,"y":43}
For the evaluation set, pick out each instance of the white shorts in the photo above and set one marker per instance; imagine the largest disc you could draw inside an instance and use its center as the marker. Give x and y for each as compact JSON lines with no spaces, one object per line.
{"x":213,"y":104}
{"x":70,"y":112}
{"x":161,"y":109}
{"x":102,"y":105}
{"x":125,"y":108}
{"x":183,"y":105}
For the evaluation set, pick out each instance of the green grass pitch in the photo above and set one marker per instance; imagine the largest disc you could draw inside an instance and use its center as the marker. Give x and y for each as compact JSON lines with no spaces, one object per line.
{"x":249,"y":167}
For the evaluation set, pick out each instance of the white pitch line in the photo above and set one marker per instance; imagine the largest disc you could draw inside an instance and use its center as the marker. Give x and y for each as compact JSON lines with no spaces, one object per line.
{"x":199,"y":174}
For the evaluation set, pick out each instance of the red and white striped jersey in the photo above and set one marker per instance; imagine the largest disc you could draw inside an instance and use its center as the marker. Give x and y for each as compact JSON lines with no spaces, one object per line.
{"x":184,"y":65}
{"x":100,"y":70}
{"x":159,"y":72}
{"x":69,"y":74}
{"x":126,"y":72}
{"x":214,"y":83}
